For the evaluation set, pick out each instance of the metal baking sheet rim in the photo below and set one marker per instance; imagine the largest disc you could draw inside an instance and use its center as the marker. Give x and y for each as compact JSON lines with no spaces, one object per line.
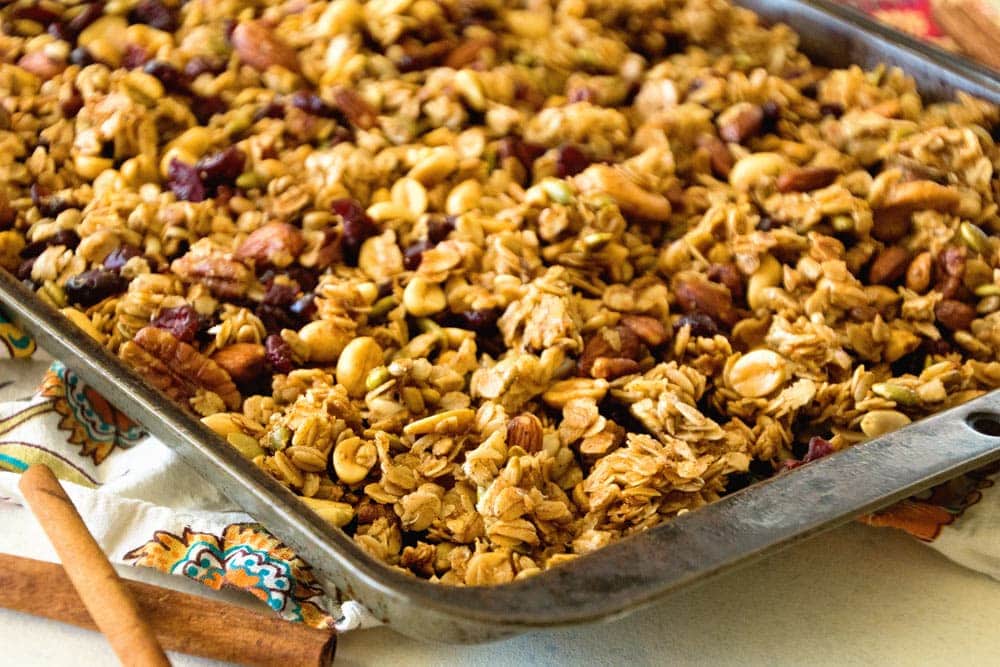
{"x":640,"y":569}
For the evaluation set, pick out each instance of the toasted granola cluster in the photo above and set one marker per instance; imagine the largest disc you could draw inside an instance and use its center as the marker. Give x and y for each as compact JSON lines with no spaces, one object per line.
{"x":492,"y":285}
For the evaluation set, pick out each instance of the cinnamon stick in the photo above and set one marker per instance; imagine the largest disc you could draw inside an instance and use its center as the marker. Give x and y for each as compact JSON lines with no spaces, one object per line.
{"x":182,"y":622}
{"x":103,"y":594}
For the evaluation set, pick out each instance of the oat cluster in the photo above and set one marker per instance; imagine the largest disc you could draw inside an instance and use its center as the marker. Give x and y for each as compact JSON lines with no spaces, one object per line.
{"x":491,"y":285}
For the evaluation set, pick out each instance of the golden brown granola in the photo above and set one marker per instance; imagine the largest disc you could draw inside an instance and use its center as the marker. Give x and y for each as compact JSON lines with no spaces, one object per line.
{"x":491,"y":285}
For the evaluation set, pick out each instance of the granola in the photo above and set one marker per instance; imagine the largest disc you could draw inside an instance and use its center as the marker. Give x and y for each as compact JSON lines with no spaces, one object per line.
{"x":493,"y":285}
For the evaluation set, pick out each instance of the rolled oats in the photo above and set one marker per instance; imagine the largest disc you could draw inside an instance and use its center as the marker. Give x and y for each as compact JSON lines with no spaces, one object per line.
{"x":504,"y":283}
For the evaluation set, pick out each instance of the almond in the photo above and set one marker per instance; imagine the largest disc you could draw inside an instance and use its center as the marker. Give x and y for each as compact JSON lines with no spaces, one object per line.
{"x":525,"y":431}
{"x":955,"y":315}
{"x":912,"y":196}
{"x":358,"y":111}
{"x":719,"y":157}
{"x":805,"y":179}
{"x":889,"y":265}
{"x":744,"y":124}
{"x":920,"y":273}
{"x":258,"y":46}
{"x":275,"y":244}
{"x":243,"y":361}
{"x":41,"y":65}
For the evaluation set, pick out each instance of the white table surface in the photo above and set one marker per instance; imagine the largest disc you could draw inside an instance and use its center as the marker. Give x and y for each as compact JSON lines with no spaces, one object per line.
{"x":854,"y":596}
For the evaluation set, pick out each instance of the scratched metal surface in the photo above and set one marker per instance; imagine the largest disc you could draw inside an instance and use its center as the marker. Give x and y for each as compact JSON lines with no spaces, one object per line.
{"x":635,"y":572}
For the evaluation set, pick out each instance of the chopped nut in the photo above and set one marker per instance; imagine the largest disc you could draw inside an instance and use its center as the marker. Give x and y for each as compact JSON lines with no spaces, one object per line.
{"x":920,"y":272}
{"x":354,"y":107}
{"x":741,"y":122}
{"x":649,"y":329}
{"x":708,"y":298}
{"x":243,"y":361}
{"x":604,"y":179}
{"x":610,"y":368}
{"x":359,"y":358}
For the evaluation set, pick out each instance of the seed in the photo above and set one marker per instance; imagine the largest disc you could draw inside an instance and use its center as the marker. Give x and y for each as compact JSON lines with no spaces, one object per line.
{"x":880,"y":422}
{"x":974,"y":237}
{"x":596,"y":241}
{"x":896,"y":392}
{"x":987,"y":289}
{"x":806,"y":179}
{"x":757,"y":373}
{"x":376,"y":378}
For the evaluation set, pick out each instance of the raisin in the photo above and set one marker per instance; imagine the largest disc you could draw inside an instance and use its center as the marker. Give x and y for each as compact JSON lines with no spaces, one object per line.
{"x":357,"y":228}
{"x":222,"y":167}
{"x":413,"y":255}
{"x":524,"y":151}
{"x":280,"y":294}
{"x":581,"y":94}
{"x":183,"y":322}
{"x":570,"y":161}
{"x":173,"y":80}
{"x":832,"y":109}
{"x":313,"y":104}
{"x":36,"y":13}
{"x":183,"y":181}
{"x":765,"y":224}
{"x":278,"y":354}
{"x":307,"y":279}
{"x":206,"y":107}
{"x":155,"y":14}
{"x":772,"y":114}
{"x":90,"y":13}
{"x":702,"y":325}
{"x":304,"y":307}
{"x":94,"y":286}
{"x":202,"y":64}
{"x":71,"y":106}
{"x":270,"y":110}
{"x":482,"y":321}
{"x":276,"y":318}
{"x":438,"y":229}
{"x":134,"y":56}
{"x":119,"y":256}
{"x":24,"y":269}
{"x":49,"y":205}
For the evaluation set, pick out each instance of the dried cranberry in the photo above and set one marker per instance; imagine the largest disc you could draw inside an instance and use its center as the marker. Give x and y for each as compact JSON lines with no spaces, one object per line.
{"x":270,"y":110}
{"x":173,"y":79}
{"x":439,"y":228}
{"x":772,"y":114}
{"x":481,"y":321}
{"x":280,"y":294}
{"x":94,"y":286}
{"x":183,"y":322}
{"x":278,"y":354}
{"x":304,"y":307}
{"x":183,"y":181}
{"x":311,"y":103}
{"x":413,"y":255}
{"x":201,"y":64}
{"x":222,"y":167}
{"x":65,"y":237}
{"x":134,"y":56}
{"x":154,"y":13}
{"x":81,"y":56}
{"x":307,"y":279}
{"x":36,"y":13}
{"x":71,"y":106}
{"x":90,"y":13}
{"x":61,"y":31}
{"x":119,"y":256}
{"x":818,"y":448}
{"x":49,"y":205}
{"x":206,"y":107}
{"x":702,"y":325}
{"x":525,"y":152}
{"x":833,"y":109}
{"x":357,"y":228}
{"x":276,"y":318}
{"x":570,"y":161}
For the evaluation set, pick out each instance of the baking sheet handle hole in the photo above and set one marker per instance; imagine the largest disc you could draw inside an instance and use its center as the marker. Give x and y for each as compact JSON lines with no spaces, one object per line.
{"x":985,"y":423}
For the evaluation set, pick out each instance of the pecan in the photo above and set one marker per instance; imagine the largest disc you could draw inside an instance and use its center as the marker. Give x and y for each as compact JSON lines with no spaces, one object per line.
{"x":358,"y":112}
{"x":805,"y":179}
{"x":609,"y":368}
{"x":224,"y":276}
{"x":617,"y":342}
{"x":525,"y":431}
{"x":920,"y":273}
{"x":716,"y":301}
{"x":889,"y":265}
{"x":649,"y":329}
{"x":747,"y":123}
{"x":955,"y":315}
{"x":258,"y":46}
{"x":243,"y":361}
{"x":176,"y":368}
{"x":274,"y":244}
{"x":467,"y":52}
{"x":719,"y":157}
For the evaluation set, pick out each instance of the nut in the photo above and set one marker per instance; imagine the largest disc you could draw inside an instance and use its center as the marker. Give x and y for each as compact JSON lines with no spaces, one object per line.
{"x":275,"y":244}
{"x":768,"y":274}
{"x":423,"y":298}
{"x":610,"y":368}
{"x":449,"y":421}
{"x":353,"y":459}
{"x":757,"y":374}
{"x":632,"y":199}
{"x":333,"y":512}
{"x":889,"y":265}
{"x":525,"y":431}
{"x":697,"y":294}
{"x":911,"y":196}
{"x":40,"y":65}
{"x":649,"y":329}
{"x":243,"y":361}
{"x":719,"y":157}
{"x":920,"y":273}
{"x":954,"y":315}
{"x":757,"y":169}
{"x":359,"y":358}
{"x":562,"y":392}
{"x":257,"y":45}
{"x":354,"y":107}
{"x":325,"y":340}
{"x":620,"y":342}
{"x":224,"y":276}
{"x":805,"y":179}
{"x":880,"y":422}
{"x":176,"y":368}
{"x":741,"y":122}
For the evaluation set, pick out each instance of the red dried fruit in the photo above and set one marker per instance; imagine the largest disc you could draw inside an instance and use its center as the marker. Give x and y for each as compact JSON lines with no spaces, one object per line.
{"x":818,"y":448}
{"x":183,"y":322}
{"x":93,"y":286}
{"x":173,"y":80}
{"x":222,"y":167}
{"x":183,"y":181}
{"x":313,"y":104}
{"x":278,"y":354}
{"x":119,"y":256}
{"x":702,"y":326}
{"x":155,"y":14}
{"x":357,"y":228}
{"x":570,"y":161}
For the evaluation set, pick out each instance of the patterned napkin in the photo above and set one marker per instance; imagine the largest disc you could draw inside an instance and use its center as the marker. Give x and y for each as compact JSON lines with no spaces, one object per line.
{"x":144,"y":505}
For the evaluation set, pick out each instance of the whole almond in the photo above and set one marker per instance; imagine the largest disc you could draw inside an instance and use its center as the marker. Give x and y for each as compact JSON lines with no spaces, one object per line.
{"x":258,"y":46}
{"x":243,"y":361}
{"x":719,"y":157}
{"x":468,"y":52}
{"x":805,"y":179}
{"x":744,"y":125}
{"x":525,"y":431}
{"x":889,"y":265}
{"x":273,"y":244}
{"x":621,"y":342}
{"x":955,"y":315}
{"x":357,"y":110}
{"x":920,"y":273}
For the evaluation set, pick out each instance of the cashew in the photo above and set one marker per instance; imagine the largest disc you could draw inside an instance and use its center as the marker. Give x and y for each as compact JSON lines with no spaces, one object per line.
{"x":768,"y":274}
{"x":353,"y":458}
{"x":756,"y":169}
{"x":333,"y":512}
{"x":422,"y":297}
{"x":602,"y":178}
